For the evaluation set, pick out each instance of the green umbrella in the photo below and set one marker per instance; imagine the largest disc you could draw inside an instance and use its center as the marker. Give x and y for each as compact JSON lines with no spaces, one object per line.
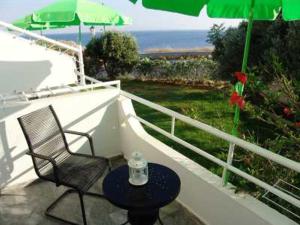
{"x":27,"y":24}
{"x":64,"y":13}
{"x":234,"y":9}
{"x":78,"y":12}
{"x":263,"y":9}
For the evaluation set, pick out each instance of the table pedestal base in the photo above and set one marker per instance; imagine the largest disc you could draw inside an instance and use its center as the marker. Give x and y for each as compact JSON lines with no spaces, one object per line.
{"x":148,"y":217}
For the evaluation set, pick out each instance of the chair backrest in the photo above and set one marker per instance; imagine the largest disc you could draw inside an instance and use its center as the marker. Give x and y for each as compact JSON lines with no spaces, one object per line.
{"x":44,"y":136}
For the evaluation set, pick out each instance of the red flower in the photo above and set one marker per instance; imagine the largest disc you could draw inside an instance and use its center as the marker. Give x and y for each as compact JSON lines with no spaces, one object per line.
{"x":242,"y":77}
{"x":297,"y":124}
{"x":235,"y":99}
{"x":287,"y":111}
{"x":241,"y":103}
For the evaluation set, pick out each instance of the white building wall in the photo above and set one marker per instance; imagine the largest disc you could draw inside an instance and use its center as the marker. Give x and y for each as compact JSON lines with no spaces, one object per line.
{"x":26,"y":67}
{"x":93,"y":112}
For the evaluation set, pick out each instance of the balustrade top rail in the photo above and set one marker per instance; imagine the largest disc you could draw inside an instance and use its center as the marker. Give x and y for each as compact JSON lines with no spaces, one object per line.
{"x":218,"y":133}
{"x":39,"y":37}
{"x":293,"y":165}
{"x":59,"y":91}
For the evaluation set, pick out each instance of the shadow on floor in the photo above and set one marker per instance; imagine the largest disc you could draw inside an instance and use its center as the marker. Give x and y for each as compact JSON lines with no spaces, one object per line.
{"x":26,"y":206}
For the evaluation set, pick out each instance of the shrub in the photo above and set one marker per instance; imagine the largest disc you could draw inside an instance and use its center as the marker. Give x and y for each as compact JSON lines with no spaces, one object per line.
{"x":190,"y":69}
{"x":118,"y":52}
{"x":269,"y":39}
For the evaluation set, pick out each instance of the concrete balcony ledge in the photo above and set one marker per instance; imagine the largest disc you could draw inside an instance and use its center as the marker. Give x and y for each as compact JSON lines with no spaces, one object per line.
{"x":106,"y":116}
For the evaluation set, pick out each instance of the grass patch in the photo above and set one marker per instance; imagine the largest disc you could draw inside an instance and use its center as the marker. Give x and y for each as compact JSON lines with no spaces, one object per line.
{"x":208,"y":106}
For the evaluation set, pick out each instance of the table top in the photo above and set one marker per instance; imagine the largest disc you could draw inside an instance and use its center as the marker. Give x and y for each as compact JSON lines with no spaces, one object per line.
{"x":162,"y":188}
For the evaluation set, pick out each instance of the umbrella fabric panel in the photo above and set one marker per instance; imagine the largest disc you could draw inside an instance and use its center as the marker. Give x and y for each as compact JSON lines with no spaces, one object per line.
{"x":63,"y":11}
{"x":74,"y":12}
{"x":235,"y":9}
{"x":26,"y":23}
{"x":97,"y":14}
{"x":187,"y":7}
{"x":291,"y":10}
{"x":239,"y":9}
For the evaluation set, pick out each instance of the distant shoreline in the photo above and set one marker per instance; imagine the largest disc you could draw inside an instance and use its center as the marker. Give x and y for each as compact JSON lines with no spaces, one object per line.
{"x":167,"y":52}
{"x":177,"y":52}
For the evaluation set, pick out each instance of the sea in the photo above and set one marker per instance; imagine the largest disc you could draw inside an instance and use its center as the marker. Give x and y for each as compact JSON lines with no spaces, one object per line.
{"x":149,"y":40}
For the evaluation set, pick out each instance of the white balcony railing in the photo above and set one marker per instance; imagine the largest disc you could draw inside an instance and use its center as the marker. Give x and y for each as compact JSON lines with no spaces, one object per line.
{"x":57,"y":91}
{"x":50,"y":45}
{"x":232,"y":140}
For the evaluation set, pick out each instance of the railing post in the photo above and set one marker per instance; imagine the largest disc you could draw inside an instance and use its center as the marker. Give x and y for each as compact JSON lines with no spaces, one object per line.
{"x":81,"y":66}
{"x":2,"y":99}
{"x":225,"y":175}
{"x":173,"y":126}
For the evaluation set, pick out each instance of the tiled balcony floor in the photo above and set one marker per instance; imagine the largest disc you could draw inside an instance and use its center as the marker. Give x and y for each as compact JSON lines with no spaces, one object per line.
{"x":26,"y":206}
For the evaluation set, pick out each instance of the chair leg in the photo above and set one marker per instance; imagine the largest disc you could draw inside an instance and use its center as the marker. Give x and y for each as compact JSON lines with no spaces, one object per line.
{"x":160,"y":221}
{"x":125,"y":223}
{"x":82,"y":207}
{"x":47,"y":213}
{"x":109,"y":165}
{"x":94,"y":195}
{"x":67,"y":192}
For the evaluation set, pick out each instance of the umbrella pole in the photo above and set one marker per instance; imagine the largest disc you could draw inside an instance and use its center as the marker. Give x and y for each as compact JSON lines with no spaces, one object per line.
{"x":80,"y":58}
{"x":239,"y":88}
{"x":79,"y":34}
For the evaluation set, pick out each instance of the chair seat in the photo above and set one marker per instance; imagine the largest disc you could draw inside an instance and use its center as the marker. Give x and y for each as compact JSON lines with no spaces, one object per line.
{"x":80,"y":171}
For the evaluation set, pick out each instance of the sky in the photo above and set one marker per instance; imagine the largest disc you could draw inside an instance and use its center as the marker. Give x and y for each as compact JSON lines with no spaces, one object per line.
{"x":143,"y":19}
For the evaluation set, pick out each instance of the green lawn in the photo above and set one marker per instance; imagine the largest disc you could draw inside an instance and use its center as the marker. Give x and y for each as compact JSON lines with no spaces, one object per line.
{"x":208,"y":106}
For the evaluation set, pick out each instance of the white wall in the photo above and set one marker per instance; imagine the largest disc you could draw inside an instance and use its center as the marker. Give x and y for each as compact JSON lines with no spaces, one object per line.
{"x":201,"y":191}
{"x":94,"y":112}
{"x":26,"y":67}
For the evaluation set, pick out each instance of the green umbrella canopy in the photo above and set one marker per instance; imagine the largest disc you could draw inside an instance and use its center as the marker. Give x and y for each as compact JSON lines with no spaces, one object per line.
{"x":27,"y":24}
{"x":76,"y":12}
{"x":238,"y":9}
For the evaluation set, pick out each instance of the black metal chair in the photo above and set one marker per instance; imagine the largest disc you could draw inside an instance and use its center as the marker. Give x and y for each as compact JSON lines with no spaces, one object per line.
{"x":53,"y":160}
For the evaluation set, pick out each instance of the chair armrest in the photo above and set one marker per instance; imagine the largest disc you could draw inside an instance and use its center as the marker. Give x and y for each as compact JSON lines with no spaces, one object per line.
{"x":89,"y":137}
{"x":52,"y":161}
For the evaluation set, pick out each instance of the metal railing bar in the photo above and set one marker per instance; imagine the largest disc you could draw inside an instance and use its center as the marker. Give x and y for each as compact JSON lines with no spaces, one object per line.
{"x":248,"y":177}
{"x":283,"y":181}
{"x":218,"y":133}
{"x":92,"y":79}
{"x":173,"y":126}
{"x":277,"y":185}
{"x":70,"y":87}
{"x":230,"y":156}
{"x":280,"y":206}
{"x":284,"y":190}
{"x":34,"y":35}
{"x":64,"y":90}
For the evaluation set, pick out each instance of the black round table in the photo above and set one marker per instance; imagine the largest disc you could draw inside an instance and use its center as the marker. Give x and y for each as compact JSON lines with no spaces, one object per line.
{"x":142,"y":202}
